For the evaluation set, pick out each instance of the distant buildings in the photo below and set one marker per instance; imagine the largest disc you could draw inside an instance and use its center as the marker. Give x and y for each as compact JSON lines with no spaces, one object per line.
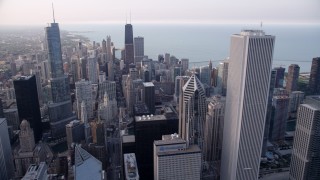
{"x":84,"y":93}
{"x":128,"y":43}
{"x":314,"y":81}
{"x":174,"y":159}
{"x":305,"y":160}
{"x":292,"y":78}
{"x":28,"y":104}
{"x":246,"y":104}
{"x":6,"y":160}
{"x":279,"y":76}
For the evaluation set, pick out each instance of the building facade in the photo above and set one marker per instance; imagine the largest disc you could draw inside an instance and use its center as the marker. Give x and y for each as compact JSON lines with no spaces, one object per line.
{"x":314,"y":81}
{"x":246,"y":104}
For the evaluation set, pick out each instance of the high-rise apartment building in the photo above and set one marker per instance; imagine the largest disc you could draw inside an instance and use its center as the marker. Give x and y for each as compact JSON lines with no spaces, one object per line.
{"x":249,"y":73}
{"x":138,"y":49}
{"x":60,"y":110}
{"x":314,"y":81}
{"x":174,"y":159}
{"x":279,"y":76}
{"x":128,"y":43}
{"x":6,"y":160}
{"x":305,"y":160}
{"x":192,"y":110}
{"x":292,"y":78}
{"x":27,"y":102}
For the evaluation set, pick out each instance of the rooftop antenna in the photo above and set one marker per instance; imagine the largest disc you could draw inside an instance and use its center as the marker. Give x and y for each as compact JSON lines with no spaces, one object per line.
{"x":53,"y":13}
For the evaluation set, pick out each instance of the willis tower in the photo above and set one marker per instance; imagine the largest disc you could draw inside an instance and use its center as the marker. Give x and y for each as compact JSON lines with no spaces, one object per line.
{"x":60,"y":109}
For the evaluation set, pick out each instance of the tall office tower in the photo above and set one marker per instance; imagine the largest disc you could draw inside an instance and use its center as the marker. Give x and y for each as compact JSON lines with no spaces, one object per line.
{"x":109,"y":50}
{"x":167,"y":58}
{"x":213,"y":133}
{"x":314,"y":81}
{"x":269,"y":113}
{"x":36,"y":73}
{"x":13,"y":68}
{"x":6,"y":160}
{"x":128,"y":43}
{"x":179,"y":83}
{"x":26,"y":137}
{"x":296,"y":98}
{"x":175,"y":71}
{"x":146,"y":74}
{"x":110,"y":71}
{"x":279,"y":76}
{"x":184,"y":64}
{"x":246,"y":104}
{"x":173,"y":159}
{"x":84,"y":93}
{"x":292,"y":78}
{"x":147,"y":130}
{"x":84,"y":120}
{"x":280,"y":107}
{"x":205,"y":75}
{"x":305,"y":160}
{"x":148,"y":96}
{"x":108,"y":87}
{"x":192,"y":110}
{"x":93,"y":70}
{"x":86,"y":166}
{"x":60,"y":110}
{"x":222,"y":78}
{"x":138,"y":49}
{"x":75,"y":132}
{"x":45,"y":71}
{"x":75,"y":69}
{"x":107,"y":110}
{"x":83,"y":68}
{"x":104,"y":46}
{"x":28,"y":104}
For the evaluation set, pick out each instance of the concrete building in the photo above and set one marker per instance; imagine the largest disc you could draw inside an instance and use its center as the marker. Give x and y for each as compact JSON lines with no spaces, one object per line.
{"x":108,"y":110}
{"x":179,"y":83}
{"x":205,"y":75}
{"x":296,"y":98}
{"x":292,"y":78}
{"x":174,"y":160}
{"x":37,"y":172}
{"x":278,"y":123}
{"x":279,"y":76}
{"x":222,"y":79}
{"x":249,"y":73}
{"x":93,"y":70}
{"x":314,"y":81}
{"x":6,"y":160}
{"x":130,"y":167}
{"x":75,"y":132}
{"x":84,"y":120}
{"x":192,"y":112}
{"x":138,"y":49}
{"x":305,"y":160}
{"x":184,"y":64}
{"x":108,"y":87}
{"x":84,"y":93}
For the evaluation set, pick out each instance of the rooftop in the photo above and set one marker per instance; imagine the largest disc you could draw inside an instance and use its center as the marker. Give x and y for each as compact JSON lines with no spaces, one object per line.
{"x":148,"y":84}
{"x":150,"y":118}
{"x":131,"y":168}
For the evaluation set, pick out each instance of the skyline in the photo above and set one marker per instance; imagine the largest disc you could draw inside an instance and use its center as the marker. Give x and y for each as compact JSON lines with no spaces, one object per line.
{"x":16,"y":12}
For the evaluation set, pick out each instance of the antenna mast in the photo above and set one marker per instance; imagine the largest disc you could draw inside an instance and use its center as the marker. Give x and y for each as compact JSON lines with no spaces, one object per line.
{"x":53,"y":13}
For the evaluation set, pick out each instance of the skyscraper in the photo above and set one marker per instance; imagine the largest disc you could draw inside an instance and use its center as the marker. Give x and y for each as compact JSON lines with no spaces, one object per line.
{"x":128,"y":43}
{"x":138,"y":49}
{"x":205,"y":75}
{"x":60,"y":110}
{"x":279,"y":76}
{"x":149,"y":96}
{"x":246,"y":104}
{"x":6,"y":160}
{"x":192,"y":112}
{"x":292,"y":78}
{"x":305,"y":160}
{"x":27,"y":102}
{"x":84,"y":93}
{"x":314,"y":81}
{"x":222,"y":78}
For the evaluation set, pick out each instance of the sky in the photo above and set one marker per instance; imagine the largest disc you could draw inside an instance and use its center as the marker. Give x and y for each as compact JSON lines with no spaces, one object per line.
{"x":39,"y":12}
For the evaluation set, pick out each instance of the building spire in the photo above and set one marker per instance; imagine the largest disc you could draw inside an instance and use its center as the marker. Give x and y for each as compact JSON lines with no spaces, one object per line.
{"x":54,"y":21}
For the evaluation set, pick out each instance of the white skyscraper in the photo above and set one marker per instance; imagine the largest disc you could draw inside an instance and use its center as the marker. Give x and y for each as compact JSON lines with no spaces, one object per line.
{"x":249,"y":74}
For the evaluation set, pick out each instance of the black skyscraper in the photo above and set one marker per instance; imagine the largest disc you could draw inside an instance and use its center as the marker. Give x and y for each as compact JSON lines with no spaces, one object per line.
{"x":314,"y":81}
{"x":28,"y":104}
{"x":129,"y":53}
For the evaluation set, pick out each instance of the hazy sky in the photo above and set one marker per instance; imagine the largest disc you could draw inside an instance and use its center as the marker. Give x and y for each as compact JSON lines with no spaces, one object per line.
{"x":39,"y":12}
